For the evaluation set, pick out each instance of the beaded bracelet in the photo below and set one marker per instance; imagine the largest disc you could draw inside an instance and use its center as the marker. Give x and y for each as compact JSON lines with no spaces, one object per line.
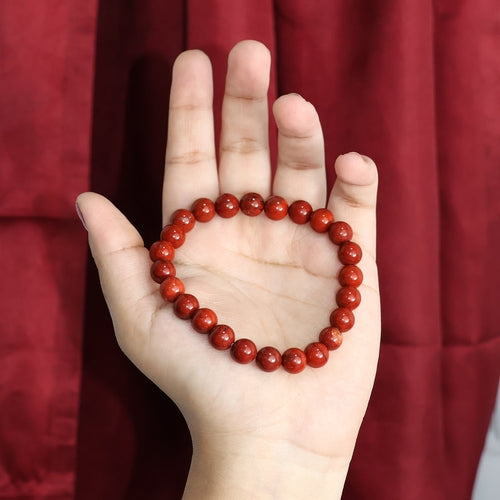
{"x":204,"y":320}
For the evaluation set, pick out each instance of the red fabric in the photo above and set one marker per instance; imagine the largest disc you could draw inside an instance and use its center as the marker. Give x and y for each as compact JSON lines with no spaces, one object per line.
{"x":412,"y":84}
{"x":46,"y":74}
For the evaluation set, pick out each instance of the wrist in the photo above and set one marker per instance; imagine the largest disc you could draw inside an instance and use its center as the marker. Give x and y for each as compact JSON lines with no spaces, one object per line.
{"x":251,"y":468}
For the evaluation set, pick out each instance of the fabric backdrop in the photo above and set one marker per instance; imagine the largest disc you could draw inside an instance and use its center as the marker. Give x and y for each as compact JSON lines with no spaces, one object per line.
{"x":83,"y":105}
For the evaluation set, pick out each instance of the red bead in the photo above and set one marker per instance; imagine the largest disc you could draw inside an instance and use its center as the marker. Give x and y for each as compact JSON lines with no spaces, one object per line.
{"x":348,"y":296}
{"x":252,"y":204}
{"x":316,"y":354}
{"x":300,"y":211}
{"x":339,"y":232}
{"x":186,"y":305}
{"x":321,"y":220}
{"x":331,"y":337}
{"x":161,"y":250}
{"x":350,"y":253}
{"x":350,"y":276}
{"x":342,"y":318}
{"x":268,"y":359}
{"x":227,"y":205}
{"x":171,"y":288}
{"x":203,"y":320}
{"x":184,"y":218}
{"x":174,"y":234}
{"x":244,"y":351}
{"x":203,"y":210}
{"x":276,"y":208}
{"x":221,"y":337}
{"x":160,"y":269}
{"x":293,"y":360}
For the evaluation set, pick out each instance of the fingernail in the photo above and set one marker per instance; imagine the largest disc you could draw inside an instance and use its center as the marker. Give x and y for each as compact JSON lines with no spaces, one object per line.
{"x":363,"y":157}
{"x":80,"y":215}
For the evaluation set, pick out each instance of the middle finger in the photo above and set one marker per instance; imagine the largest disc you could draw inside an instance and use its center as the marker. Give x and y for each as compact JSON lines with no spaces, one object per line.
{"x":244,"y":145}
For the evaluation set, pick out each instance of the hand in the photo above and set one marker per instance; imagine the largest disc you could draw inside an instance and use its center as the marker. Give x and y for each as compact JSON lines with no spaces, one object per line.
{"x":254,"y":433}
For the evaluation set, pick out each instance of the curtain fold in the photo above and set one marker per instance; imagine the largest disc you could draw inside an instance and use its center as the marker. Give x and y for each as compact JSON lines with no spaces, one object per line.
{"x":83,"y":103}
{"x":46,"y":73}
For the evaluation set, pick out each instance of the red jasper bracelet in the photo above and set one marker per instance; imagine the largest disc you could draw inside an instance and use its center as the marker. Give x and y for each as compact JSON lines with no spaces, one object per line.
{"x":204,"y":320}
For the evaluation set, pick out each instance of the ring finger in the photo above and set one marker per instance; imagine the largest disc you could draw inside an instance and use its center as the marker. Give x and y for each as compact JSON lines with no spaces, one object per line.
{"x":300,"y":173}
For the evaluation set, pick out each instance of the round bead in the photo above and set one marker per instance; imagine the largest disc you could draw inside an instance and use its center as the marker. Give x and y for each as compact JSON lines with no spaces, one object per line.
{"x":350,"y":253}
{"x":174,"y":234}
{"x":348,"y":296}
{"x":244,"y":351}
{"x":186,"y":305}
{"x":300,"y":211}
{"x":161,"y":250}
{"x":160,"y":269}
{"x":203,"y":320}
{"x":331,"y":337}
{"x":221,"y":337}
{"x":316,"y":354}
{"x":321,"y":220}
{"x":184,"y":218}
{"x":293,"y":360}
{"x":268,"y":359}
{"x":342,"y":318}
{"x":227,"y":205}
{"x":276,"y":208}
{"x":252,"y":204}
{"x":203,"y":209}
{"x":350,"y":276}
{"x":171,"y":288}
{"x":339,"y":232}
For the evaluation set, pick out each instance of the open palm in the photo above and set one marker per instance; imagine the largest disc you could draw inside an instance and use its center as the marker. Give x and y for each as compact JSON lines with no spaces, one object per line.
{"x":271,"y":281}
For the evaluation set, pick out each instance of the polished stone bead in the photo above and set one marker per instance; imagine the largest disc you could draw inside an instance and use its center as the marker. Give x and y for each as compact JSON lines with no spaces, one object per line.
{"x":252,"y":204}
{"x":268,"y":359}
{"x":300,"y":211}
{"x":350,"y":253}
{"x":227,"y":205}
{"x":350,"y":275}
{"x":348,"y":296}
{"x":160,"y":269}
{"x":321,"y":220}
{"x":184,"y":218}
{"x":243,"y":351}
{"x":331,"y":337}
{"x":203,"y":320}
{"x":316,"y":354}
{"x":221,"y":337}
{"x":293,"y":360}
{"x":203,"y":210}
{"x":174,"y":234}
{"x":339,"y":232}
{"x":186,"y":305}
{"x":171,"y":288}
{"x":161,"y":250}
{"x":276,"y":208}
{"x":342,"y":318}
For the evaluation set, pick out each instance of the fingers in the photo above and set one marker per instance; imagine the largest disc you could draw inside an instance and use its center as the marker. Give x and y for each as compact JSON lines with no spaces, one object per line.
{"x":119,"y":254}
{"x":354,"y":196}
{"x":190,"y":163}
{"x":244,"y":145}
{"x":300,"y":172}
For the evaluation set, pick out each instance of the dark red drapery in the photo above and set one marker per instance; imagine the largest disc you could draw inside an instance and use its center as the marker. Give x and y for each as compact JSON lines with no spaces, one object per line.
{"x":83,"y":100}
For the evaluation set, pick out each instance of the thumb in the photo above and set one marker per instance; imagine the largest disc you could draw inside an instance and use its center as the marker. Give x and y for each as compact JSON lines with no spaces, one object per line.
{"x":121,"y":259}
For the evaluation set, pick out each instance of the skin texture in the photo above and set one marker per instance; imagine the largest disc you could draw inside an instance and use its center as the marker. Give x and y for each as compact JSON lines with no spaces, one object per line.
{"x":255,"y":434}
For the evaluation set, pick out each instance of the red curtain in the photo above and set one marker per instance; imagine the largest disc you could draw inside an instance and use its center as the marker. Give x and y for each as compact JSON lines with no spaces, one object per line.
{"x":83,"y":102}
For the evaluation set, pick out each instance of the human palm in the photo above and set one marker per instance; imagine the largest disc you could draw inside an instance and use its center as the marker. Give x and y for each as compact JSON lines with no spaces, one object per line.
{"x":271,"y":281}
